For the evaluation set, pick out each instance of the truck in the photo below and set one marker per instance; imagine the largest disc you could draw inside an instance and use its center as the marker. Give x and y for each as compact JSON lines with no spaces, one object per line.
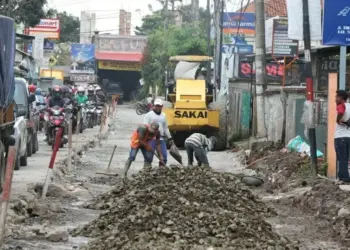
{"x":190,"y":104}
{"x":7,"y":88}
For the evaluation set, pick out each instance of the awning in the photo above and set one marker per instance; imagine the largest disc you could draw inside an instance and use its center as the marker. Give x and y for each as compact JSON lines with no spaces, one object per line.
{"x":118,"y":56}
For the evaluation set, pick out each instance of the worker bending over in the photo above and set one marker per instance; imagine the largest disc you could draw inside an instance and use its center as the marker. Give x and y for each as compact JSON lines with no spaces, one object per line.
{"x":141,"y":139}
{"x":198,"y":144}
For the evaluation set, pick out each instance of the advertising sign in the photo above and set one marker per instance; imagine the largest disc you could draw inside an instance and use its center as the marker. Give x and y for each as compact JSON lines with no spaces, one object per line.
{"x":115,"y":65}
{"x":38,"y":49}
{"x":47,"y":28}
{"x":282,"y":46}
{"x":82,"y":78}
{"x":48,"y":45}
{"x":274,"y":72}
{"x":121,"y":43}
{"x":336,"y":24}
{"x":83,"y":58}
{"x":229,"y":49}
{"x":239,"y":23}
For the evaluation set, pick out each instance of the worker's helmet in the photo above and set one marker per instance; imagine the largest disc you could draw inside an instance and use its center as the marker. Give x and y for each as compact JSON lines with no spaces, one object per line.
{"x":158,"y":102}
{"x":81,"y":90}
{"x":213,"y":140}
{"x":38,"y":91}
{"x":32,"y":88}
{"x":91,"y":90}
{"x":56,"y":91}
{"x":153,"y":127}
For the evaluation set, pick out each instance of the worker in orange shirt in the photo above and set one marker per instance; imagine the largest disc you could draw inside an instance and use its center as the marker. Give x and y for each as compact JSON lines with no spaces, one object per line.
{"x":141,"y":139}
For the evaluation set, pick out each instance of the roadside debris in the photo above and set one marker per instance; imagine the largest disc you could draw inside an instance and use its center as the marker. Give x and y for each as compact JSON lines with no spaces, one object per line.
{"x":182,"y":209}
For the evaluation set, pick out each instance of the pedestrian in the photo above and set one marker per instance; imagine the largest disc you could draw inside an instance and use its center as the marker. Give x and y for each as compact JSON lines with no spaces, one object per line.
{"x":199,"y":145}
{"x":156,"y":115}
{"x":342,"y":135}
{"x":141,"y":139}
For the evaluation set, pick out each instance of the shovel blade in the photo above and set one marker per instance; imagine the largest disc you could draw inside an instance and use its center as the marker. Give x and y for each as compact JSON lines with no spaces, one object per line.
{"x":174,"y":152}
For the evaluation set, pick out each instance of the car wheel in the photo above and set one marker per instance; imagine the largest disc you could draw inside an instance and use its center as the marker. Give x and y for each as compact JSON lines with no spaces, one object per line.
{"x":17,"y":163}
{"x":30,"y":148}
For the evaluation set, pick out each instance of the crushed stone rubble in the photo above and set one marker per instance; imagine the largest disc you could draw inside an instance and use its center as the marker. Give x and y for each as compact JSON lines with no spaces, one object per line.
{"x":182,"y":209}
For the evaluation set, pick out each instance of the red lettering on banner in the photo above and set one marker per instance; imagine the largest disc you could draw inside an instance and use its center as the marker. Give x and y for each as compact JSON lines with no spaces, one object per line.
{"x":246,"y":69}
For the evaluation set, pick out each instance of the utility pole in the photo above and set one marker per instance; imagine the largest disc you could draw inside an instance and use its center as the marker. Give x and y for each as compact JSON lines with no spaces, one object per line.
{"x":309,"y":82}
{"x":208,"y":42}
{"x":166,"y":12}
{"x":260,"y":66}
{"x":195,"y":10}
{"x":218,"y":76}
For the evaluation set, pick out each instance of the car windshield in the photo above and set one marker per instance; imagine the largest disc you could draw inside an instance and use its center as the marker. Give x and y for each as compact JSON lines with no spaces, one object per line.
{"x":20,"y":96}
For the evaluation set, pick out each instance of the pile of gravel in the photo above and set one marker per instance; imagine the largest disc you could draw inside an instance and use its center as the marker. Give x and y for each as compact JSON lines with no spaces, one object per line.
{"x":182,"y":209}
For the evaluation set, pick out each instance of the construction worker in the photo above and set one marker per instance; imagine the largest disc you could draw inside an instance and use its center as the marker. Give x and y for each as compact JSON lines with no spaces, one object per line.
{"x":156,"y":115}
{"x":141,"y":139}
{"x":198,"y":144}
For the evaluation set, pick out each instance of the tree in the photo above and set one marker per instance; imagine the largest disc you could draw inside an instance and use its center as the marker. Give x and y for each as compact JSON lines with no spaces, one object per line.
{"x":28,"y":12}
{"x":149,"y":24}
{"x":161,"y":44}
{"x":69,"y":26}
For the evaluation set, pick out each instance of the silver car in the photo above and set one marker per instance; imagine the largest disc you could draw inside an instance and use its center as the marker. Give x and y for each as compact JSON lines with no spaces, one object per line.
{"x":21,"y":134}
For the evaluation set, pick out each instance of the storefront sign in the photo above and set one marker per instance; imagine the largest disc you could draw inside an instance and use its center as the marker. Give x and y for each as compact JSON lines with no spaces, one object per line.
{"x":282,"y":46}
{"x":82,"y":78}
{"x":116,"y":65}
{"x":121,"y":43}
{"x":239,"y":23}
{"x":274,"y":72}
{"x":47,"y":28}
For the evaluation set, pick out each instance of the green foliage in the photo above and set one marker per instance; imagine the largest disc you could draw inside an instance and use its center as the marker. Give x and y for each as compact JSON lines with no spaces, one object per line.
{"x":69,"y":26}
{"x":189,"y":39}
{"x":28,"y":12}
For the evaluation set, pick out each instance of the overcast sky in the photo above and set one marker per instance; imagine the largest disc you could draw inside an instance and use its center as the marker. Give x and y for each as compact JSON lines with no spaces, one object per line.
{"x":107,"y":10}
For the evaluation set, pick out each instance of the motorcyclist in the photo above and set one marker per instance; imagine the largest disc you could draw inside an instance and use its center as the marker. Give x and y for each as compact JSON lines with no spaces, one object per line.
{"x":67,"y":95}
{"x":31,"y":90}
{"x":81,"y":98}
{"x":56,"y":99}
{"x":100,"y":97}
{"x":39,"y":99}
{"x":91,"y":93}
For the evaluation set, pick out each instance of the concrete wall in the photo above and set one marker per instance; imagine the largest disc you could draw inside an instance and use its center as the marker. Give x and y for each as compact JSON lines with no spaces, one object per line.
{"x":240,"y":113}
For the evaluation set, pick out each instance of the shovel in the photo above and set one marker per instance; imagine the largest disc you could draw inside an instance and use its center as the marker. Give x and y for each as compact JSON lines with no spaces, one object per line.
{"x":109,"y":165}
{"x":174,"y":152}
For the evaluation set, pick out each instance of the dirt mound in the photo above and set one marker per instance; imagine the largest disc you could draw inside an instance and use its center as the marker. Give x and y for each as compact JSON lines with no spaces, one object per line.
{"x":182,"y":209}
{"x":282,"y":171}
{"x":327,"y":201}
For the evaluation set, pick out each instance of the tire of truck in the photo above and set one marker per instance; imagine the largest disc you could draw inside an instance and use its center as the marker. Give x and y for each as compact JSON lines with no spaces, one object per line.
{"x":2,"y":165}
{"x":221,"y":135}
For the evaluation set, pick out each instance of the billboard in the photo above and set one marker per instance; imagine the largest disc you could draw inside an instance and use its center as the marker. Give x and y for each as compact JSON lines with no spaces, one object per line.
{"x":238,"y":23}
{"x":83,"y":58}
{"x":47,"y":28}
{"x":336,"y":25}
{"x":123,"y":66}
{"x":121,"y":43}
{"x":282,"y":46}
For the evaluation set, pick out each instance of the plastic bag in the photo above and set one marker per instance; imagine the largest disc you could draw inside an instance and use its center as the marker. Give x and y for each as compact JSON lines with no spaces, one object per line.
{"x":297,"y":144}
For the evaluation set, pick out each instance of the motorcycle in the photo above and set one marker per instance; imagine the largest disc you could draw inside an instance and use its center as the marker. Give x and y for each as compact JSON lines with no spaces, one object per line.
{"x":142,"y":108}
{"x":99,"y":112}
{"x":41,"y":119}
{"x":56,"y":122}
{"x":90,"y":114}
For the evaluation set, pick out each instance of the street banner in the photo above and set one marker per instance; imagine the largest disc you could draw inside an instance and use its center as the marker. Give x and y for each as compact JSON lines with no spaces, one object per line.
{"x":239,"y":23}
{"x":336,"y":22}
{"x":282,"y":46}
{"x":83,"y":58}
{"x":116,"y":65}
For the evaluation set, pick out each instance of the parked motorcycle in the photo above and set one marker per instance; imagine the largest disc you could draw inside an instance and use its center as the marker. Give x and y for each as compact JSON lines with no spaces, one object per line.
{"x":142,"y":108}
{"x":99,"y":112}
{"x":56,"y":122}
{"x":90,"y":114}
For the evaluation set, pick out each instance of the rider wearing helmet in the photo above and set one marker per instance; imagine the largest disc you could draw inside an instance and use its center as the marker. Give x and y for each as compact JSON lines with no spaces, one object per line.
{"x":56,"y":99}
{"x":100,"y":97}
{"x":40,"y":100}
{"x":81,"y":98}
{"x":91,"y":93}
{"x":67,"y":95}
{"x":32,"y":88}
